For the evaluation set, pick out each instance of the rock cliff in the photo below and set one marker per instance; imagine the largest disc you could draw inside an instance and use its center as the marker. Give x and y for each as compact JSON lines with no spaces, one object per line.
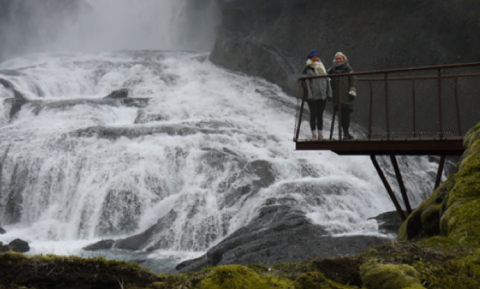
{"x":271,"y":38}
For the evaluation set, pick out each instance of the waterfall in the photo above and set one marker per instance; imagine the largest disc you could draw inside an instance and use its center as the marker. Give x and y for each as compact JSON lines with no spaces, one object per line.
{"x":203,"y":152}
{"x":106,"y":25}
{"x":153,"y":24}
{"x":191,"y":148}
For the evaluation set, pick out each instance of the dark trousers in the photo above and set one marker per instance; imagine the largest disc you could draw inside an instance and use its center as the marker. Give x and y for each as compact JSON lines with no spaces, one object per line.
{"x":316,"y":106}
{"x":346,"y":110}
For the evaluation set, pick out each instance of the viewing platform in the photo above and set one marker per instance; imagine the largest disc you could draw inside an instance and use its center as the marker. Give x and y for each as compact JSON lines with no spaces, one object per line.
{"x":406,"y":146}
{"x":412,"y":111}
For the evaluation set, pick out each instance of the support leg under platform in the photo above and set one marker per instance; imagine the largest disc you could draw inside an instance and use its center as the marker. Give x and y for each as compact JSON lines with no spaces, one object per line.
{"x":389,"y":189}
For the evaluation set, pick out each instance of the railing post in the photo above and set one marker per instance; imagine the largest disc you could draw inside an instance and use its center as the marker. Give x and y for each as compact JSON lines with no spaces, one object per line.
{"x":440,"y":115}
{"x":459,"y":124}
{"x":333,"y":123}
{"x":304,"y":96}
{"x":387,"y":113}
{"x":414,"y":112}
{"x":371,"y":112}
{"x":339,"y":106}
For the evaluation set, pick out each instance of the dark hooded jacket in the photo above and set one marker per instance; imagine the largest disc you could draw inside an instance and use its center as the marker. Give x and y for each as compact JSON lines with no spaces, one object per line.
{"x":342,"y":85}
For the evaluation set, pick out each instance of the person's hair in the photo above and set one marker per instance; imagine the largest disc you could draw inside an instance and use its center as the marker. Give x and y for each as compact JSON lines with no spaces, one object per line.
{"x":340,"y":53}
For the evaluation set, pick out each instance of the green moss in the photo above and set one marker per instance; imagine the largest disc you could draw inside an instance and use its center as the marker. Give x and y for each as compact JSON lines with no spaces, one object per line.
{"x":430,"y":219}
{"x":237,"y":276}
{"x":425,"y":219}
{"x":472,"y":136}
{"x":73,"y":272}
{"x":389,"y":276}
{"x":259,"y":269}
{"x":453,"y":210}
{"x":458,"y":273}
{"x":316,"y":280}
{"x":186,"y":280}
{"x":466,"y":187}
{"x":438,"y":241}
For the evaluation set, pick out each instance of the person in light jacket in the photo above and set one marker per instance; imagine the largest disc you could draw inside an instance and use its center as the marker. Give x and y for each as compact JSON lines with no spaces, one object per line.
{"x":318,"y":91}
{"x":344,"y":90}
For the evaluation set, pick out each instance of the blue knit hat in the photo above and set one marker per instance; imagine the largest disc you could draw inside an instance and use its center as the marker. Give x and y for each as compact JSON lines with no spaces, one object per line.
{"x":312,"y":53}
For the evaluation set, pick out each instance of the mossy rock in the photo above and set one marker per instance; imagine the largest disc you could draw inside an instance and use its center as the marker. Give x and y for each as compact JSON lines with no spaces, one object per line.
{"x":457,"y":273}
{"x":52,"y":272}
{"x":241,"y":277}
{"x":343,"y":270}
{"x":316,"y":280}
{"x":389,"y":276}
{"x":453,"y":209}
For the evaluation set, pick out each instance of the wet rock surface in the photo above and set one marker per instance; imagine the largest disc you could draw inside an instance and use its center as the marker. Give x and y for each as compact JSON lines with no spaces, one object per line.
{"x":279,"y":234}
{"x":389,"y":222}
{"x":101,"y":245}
{"x":115,"y":98}
{"x":16,"y":245}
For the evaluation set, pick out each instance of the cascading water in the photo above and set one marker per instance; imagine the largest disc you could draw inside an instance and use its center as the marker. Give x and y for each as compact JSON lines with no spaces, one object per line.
{"x":105,"y":25}
{"x":194,"y":149}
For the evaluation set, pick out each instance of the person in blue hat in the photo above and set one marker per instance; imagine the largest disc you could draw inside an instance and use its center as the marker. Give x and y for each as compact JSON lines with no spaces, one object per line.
{"x":318,"y":92}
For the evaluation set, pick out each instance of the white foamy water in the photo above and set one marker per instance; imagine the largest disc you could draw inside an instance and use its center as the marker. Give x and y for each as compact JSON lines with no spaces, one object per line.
{"x":74,"y":172}
{"x":105,"y":25}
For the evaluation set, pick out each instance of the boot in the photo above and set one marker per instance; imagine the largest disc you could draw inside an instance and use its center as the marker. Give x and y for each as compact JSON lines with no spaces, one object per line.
{"x":347,"y":136}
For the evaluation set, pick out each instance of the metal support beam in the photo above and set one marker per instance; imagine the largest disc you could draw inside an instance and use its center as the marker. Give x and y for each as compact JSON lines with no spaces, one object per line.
{"x":387,"y":186}
{"x":393,"y":158}
{"x":439,"y":172}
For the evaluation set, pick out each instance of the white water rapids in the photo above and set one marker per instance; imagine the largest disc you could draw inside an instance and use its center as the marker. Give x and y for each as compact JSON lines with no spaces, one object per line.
{"x":75,"y":170}
{"x":67,"y":187}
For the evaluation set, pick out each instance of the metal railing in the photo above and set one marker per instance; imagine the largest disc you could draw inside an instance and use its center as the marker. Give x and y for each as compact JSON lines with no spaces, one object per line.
{"x":438,"y":102}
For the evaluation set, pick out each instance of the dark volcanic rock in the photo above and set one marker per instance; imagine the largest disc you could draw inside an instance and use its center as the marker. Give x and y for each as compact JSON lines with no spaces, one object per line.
{"x":2,"y":231}
{"x":389,"y":222}
{"x":271,"y":39}
{"x":16,"y":245}
{"x":120,"y":93}
{"x":259,"y":174}
{"x":100,"y":245}
{"x":19,"y":245}
{"x":279,"y":234}
{"x":19,"y":101}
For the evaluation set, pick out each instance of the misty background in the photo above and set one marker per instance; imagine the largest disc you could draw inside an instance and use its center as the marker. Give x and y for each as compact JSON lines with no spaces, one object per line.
{"x":30,"y":26}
